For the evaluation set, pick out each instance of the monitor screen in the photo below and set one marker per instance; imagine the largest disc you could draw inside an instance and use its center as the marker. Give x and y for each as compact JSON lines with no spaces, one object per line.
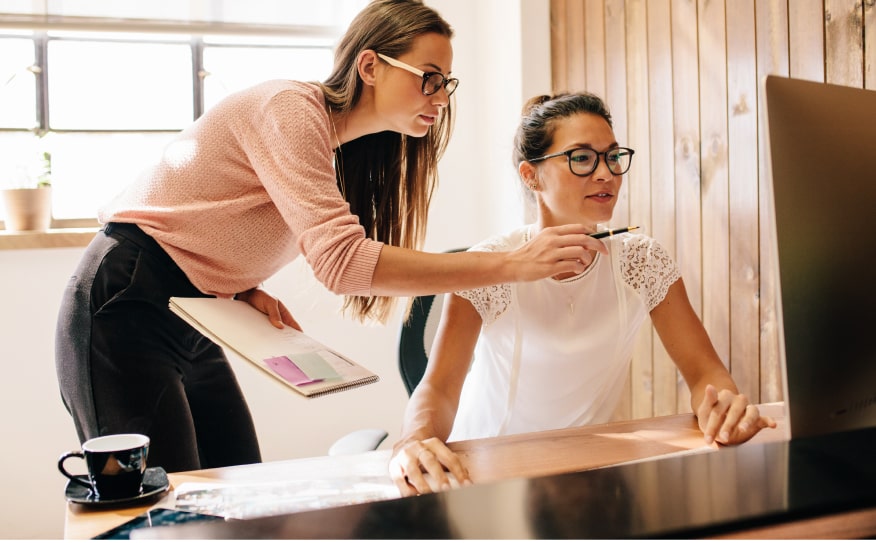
{"x":822,"y":156}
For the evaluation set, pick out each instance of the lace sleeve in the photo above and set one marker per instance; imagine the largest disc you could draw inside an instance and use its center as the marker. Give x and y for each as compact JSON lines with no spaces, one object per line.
{"x":648,"y":268}
{"x":490,"y":301}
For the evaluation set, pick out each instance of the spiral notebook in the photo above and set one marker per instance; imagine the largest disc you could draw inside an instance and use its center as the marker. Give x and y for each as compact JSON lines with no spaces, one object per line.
{"x":288,"y":355}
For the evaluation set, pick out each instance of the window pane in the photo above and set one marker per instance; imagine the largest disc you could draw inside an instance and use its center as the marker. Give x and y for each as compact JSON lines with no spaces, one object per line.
{"x":17,"y":84}
{"x":233,"y":68}
{"x":88,"y":170}
{"x":117,"y":85}
{"x":20,"y":163}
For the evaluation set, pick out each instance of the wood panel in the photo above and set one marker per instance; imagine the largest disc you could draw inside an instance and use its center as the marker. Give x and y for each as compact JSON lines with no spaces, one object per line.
{"x":687,"y":180}
{"x":682,"y":80}
{"x":742,"y":168}
{"x":594,"y":38}
{"x":844,"y":42}
{"x":559,"y":25}
{"x":806,"y":40}
{"x":772,"y":58}
{"x":715,"y":265}
{"x":576,"y":74}
{"x":870,"y":45}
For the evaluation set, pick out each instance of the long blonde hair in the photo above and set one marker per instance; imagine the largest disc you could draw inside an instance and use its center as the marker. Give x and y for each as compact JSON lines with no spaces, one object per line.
{"x":388,"y":178}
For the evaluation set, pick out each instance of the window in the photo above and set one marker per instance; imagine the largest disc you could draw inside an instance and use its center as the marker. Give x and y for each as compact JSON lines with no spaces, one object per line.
{"x":106,"y":95}
{"x":18,"y":90}
{"x":113,"y":84}
{"x":231,"y":67}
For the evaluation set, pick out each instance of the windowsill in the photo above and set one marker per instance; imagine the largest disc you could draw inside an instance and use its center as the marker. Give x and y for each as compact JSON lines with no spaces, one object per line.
{"x":47,"y":239}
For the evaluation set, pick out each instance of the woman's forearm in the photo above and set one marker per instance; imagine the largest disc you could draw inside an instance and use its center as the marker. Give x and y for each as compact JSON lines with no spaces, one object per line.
{"x":404,"y":272}
{"x":401,"y":272}
{"x":428,"y":414}
{"x":433,"y":404}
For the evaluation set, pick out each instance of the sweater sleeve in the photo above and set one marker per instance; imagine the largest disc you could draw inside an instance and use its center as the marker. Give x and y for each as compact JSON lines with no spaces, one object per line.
{"x":290,"y":151}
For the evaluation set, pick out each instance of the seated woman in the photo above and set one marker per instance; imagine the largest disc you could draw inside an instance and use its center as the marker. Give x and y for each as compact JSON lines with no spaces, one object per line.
{"x":555,"y":353}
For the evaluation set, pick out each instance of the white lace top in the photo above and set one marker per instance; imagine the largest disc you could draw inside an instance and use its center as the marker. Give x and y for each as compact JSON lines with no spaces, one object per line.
{"x":555,"y":354}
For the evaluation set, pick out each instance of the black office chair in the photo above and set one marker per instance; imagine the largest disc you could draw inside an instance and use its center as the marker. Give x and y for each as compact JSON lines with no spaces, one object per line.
{"x":415,"y":342}
{"x":417,"y":335}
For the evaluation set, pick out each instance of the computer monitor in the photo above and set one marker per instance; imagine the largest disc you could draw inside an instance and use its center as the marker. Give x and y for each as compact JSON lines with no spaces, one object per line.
{"x":822,"y":159}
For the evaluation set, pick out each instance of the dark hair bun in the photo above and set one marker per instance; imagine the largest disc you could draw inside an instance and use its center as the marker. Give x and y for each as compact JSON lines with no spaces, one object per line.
{"x":534,"y":102}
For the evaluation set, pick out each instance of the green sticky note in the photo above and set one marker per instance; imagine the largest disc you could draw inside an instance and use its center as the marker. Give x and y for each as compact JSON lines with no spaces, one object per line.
{"x":314,"y":366}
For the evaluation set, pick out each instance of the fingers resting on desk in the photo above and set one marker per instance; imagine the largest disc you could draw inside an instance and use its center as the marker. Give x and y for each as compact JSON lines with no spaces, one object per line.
{"x":729,"y":418}
{"x":423,"y":466}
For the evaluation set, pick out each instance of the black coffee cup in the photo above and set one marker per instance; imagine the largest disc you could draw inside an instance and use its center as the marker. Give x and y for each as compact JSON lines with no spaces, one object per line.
{"x":116,"y":464}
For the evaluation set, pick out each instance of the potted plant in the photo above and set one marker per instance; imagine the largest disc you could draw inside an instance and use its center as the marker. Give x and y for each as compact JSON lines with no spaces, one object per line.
{"x":27,"y":198}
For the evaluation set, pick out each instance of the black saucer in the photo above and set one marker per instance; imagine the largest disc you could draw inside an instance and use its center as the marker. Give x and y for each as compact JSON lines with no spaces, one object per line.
{"x":154,"y":483}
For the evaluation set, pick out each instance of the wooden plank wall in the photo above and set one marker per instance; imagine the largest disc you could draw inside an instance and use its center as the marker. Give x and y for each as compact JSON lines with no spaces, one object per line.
{"x":682,"y":80}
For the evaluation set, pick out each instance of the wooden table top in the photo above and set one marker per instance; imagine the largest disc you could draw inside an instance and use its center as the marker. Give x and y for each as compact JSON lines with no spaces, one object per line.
{"x":488,"y":460}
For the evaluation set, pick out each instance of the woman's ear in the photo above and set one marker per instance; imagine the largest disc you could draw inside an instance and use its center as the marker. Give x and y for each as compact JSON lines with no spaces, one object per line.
{"x":528,"y":175}
{"x":366,"y":63}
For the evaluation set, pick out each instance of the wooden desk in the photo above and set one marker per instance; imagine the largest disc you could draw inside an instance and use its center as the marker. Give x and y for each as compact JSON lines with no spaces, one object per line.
{"x":488,"y":460}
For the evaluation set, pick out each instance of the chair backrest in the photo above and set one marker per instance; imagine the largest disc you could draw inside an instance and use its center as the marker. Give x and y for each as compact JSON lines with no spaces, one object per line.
{"x":416,"y":338}
{"x":417,"y":334}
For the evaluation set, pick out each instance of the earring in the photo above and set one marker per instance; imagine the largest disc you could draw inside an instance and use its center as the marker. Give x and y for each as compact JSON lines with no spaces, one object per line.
{"x":532,"y":185}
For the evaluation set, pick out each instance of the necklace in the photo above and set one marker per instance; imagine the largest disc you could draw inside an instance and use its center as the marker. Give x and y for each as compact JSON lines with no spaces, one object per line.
{"x":339,"y":156}
{"x":527,"y":235}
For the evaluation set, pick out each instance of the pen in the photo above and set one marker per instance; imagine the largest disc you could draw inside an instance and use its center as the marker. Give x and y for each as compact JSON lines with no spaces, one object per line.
{"x":607,"y":233}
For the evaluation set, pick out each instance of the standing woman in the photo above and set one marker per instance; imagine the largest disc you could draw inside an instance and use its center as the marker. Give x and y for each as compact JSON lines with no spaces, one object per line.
{"x":340,"y":172}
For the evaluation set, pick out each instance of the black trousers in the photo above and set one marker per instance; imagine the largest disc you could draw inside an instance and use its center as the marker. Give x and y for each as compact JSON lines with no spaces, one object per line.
{"x":126,"y":363}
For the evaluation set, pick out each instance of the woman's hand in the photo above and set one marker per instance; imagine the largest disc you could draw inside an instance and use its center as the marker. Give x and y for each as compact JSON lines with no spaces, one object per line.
{"x":728,"y":418}
{"x":270,"y":306}
{"x":418,"y":467}
{"x":556,"y":250}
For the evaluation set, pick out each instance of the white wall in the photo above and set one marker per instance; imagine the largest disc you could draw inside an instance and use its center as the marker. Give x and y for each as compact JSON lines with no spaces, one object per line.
{"x":477,"y":197}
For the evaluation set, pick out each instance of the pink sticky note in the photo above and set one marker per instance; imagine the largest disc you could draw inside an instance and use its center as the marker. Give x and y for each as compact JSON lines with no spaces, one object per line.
{"x":287,"y":369}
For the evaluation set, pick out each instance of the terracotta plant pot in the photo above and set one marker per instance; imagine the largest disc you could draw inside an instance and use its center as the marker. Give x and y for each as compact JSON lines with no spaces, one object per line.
{"x":28,"y":209}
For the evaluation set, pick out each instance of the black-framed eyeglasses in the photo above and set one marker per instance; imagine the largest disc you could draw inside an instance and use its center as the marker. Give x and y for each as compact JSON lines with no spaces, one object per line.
{"x":432,"y":81}
{"x":583,"y":160}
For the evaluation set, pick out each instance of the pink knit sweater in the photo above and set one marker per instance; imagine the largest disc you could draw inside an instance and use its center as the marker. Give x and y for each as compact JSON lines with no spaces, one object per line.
{"x":246,"y":189}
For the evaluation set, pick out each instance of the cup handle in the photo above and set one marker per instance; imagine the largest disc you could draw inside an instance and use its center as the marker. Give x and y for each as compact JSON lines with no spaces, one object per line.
{"x":75,"y":478}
